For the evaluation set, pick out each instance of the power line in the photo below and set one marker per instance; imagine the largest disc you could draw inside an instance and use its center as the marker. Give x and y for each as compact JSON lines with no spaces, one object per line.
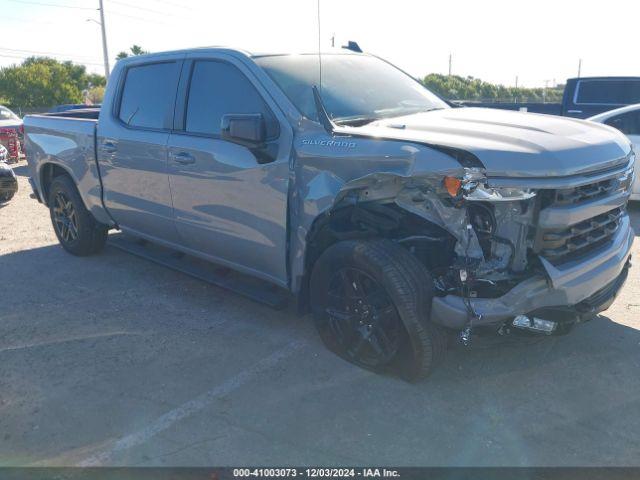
{"x":113,"y":12}
{"x":25,"y":20}
{"x":24,"y":57}
{"x":137,"y":7}
{"x":173,"y":4}
{"x":157,"y":12}
{"x":38,"y":52}
{"x":52,"y":5}
{"x":142,"y":19}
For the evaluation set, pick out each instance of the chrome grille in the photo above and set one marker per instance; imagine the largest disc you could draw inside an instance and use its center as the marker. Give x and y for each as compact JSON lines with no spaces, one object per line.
{"x":583,"y":193}
{"x":560,"y":245}
{"x":573,"y":221}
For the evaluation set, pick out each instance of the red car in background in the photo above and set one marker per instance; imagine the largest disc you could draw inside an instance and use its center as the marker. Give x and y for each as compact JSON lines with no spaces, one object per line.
{"x":11,"y":134}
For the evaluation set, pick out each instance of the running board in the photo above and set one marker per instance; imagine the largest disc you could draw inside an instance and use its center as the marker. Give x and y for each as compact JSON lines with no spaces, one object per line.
{"x":252,"y":288}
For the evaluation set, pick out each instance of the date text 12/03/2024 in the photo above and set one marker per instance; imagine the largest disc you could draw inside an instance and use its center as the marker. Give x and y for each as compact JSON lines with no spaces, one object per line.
{"x":316,"y":472}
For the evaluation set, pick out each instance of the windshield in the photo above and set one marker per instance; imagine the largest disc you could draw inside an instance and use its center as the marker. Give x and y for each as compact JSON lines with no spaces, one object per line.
{"x":354,"y":87}
{"x":6,"y":114}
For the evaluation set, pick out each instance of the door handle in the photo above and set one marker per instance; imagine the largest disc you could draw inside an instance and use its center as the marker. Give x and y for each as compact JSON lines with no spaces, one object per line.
{"x":183,"y":158}
{"x":109,"y":147}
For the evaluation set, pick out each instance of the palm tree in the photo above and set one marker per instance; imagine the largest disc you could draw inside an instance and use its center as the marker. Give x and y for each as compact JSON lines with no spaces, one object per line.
{"x":135,"y":50}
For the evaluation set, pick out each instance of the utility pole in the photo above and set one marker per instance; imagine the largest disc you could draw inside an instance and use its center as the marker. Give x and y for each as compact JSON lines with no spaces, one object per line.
{"x":544,"y":92}
{"x":579,"y":67}
{"x":450,"y":58}
{"x":105,"y":52}
{"x":333,"y":40}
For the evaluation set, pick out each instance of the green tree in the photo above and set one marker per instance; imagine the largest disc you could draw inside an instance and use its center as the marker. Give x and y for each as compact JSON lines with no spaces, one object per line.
{"x":95,"y":95}
{"x":96,"y":80}
{"x":43,"y":82}
{"x":133,"y":51}
{"x":455,"y":87}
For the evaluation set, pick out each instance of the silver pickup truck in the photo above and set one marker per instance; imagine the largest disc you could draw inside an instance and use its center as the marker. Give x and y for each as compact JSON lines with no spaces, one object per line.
{"x":392,"y":217}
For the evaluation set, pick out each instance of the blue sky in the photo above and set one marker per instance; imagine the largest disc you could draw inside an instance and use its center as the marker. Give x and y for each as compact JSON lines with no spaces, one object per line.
{"x":490,"y":39}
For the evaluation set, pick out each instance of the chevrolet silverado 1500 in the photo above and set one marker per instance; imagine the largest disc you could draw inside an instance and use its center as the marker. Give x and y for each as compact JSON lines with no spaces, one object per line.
{"x":391,"y":217}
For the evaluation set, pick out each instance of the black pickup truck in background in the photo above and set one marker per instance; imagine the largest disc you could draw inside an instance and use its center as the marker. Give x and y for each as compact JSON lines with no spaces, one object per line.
{"x":583,"y":97}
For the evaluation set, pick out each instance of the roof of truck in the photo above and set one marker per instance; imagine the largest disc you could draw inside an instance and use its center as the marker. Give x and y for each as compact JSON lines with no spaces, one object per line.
{"x":340,"y":51}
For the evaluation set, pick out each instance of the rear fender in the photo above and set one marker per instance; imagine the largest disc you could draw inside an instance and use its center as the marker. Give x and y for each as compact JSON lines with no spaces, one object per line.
{"x":48,"y":170}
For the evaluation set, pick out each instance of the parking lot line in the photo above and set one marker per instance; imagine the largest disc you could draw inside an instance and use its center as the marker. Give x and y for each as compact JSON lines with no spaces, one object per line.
{"x":189,"y":408}
{"x":65,"y":340}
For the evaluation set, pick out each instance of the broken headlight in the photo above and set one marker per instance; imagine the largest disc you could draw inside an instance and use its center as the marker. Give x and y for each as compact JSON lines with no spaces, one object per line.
{"x":473,"y":187}
{"x":482,"y":193}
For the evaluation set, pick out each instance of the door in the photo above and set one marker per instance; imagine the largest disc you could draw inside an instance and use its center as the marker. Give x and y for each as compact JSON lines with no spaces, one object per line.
{"x":229,"y":200}
{"x":629,"y":124}
{"x":132,"y":148}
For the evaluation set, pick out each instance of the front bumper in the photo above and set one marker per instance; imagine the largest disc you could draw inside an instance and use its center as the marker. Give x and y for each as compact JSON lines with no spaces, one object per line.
{"x":569,"y":285}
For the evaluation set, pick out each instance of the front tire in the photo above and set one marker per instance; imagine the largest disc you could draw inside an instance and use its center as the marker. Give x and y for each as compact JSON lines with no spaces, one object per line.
{"x":371,"y":302}
{"x":77,"y":231}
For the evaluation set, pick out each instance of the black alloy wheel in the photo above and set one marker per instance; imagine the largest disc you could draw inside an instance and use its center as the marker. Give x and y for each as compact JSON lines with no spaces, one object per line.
{"x":77,"y":230}
{"x":362,"y":318}
{"x":65,"y":219}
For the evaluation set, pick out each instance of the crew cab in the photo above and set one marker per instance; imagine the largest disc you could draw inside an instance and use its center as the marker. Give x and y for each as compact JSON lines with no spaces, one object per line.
{"x":393,"y":218}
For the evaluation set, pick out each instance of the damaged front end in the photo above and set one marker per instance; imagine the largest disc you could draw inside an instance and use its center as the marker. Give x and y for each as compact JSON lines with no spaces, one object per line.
{"x":497,"y":256}
{"x":493,"y":232}
{"x":535,"y":259}
{"x":491,"y":228}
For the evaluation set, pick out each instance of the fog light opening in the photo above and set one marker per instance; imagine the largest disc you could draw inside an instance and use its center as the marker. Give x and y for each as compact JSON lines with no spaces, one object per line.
{"x":534,"y":324}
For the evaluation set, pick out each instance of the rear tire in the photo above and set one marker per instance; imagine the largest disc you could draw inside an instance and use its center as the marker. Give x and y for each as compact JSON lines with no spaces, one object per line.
{"x":77,"y":230}
{"x":371,"y":302}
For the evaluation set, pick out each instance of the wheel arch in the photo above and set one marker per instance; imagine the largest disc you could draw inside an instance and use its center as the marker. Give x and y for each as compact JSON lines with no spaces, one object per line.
{"x":90,"y":192}
{"x":47,"y":173}
{"x":359,"y":221}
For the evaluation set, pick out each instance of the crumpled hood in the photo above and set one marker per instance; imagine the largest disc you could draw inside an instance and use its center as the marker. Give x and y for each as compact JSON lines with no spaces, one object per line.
{"x":511,"y":144}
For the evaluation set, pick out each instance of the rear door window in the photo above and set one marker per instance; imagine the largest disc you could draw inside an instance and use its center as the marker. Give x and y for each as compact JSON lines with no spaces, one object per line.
{"x":148,"y":95}
{"x":608,"y":92}
{"x":217,"y":89}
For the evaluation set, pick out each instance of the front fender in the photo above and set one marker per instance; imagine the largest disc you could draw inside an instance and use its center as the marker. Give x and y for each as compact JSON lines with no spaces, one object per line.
{"x":328,"y":174}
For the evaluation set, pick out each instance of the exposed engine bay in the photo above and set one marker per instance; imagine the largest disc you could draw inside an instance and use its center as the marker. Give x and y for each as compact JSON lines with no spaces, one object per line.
{"x":475,"y":241}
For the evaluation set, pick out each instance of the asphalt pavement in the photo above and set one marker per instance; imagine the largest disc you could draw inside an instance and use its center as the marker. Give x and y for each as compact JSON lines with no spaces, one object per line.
{"x":113,"y":360}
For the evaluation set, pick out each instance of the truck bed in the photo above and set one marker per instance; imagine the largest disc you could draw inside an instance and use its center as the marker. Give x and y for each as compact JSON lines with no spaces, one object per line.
{"x":86,"y":113}
{"x":66,"y":141}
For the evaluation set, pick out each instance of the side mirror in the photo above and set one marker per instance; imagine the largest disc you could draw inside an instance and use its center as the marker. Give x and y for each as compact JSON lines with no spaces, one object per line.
{"x":247,"y":129}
